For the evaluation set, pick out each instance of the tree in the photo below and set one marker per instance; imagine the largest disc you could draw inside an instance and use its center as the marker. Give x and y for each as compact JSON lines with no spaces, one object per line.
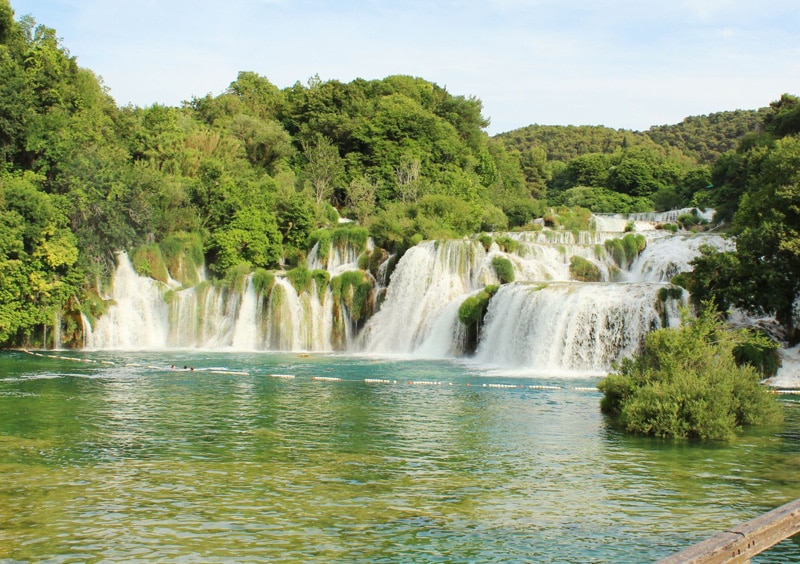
{"x":251,"y":238}
{"x":361,"y":197}
{"x":324,"y":167}
{"x":407,"y":174}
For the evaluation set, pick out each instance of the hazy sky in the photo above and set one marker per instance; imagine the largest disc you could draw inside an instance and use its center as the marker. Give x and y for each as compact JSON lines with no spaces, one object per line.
{"x":620,"y":63}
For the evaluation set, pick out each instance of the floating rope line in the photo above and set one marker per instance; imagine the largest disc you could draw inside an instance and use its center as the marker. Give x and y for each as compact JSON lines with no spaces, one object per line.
{"x":70,"y":358}
{"x":425,"y":383}
{"x":282,"y":376}
{"x":379,"y":381}
{"x":326,"y":379}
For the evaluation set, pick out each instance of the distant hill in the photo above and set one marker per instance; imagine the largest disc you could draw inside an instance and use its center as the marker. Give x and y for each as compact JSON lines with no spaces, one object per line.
{"x":701,"y":138}
{"x":705,"y":138}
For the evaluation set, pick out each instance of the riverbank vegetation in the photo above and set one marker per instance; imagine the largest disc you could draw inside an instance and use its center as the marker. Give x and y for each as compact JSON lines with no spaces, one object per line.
{"x":251,"y":179}
{"x":697,"y":381}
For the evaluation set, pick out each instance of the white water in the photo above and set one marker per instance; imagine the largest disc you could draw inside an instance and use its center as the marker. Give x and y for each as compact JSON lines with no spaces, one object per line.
{"x":569,"y":326}
{"x":542,"y":322}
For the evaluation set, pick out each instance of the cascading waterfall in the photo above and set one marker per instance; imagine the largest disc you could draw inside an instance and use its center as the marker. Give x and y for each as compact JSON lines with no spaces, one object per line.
{"x":545,"y":321}
{"x":428,"y":278}
{"x":569,"y":326}
{"x":139,"y":318}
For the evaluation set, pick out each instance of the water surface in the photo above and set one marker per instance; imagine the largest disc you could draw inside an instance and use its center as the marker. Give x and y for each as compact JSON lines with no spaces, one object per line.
{"x":122,"y":458}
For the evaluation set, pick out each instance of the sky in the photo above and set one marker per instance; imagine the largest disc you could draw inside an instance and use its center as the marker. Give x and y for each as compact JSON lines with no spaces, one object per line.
{"x":626,"y":64}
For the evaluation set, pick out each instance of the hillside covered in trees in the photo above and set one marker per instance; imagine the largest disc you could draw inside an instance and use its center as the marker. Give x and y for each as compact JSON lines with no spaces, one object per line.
{"x":252,"y":177}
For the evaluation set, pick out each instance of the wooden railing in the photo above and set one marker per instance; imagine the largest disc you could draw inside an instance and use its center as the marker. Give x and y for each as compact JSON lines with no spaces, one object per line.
{"x":741,"y":543}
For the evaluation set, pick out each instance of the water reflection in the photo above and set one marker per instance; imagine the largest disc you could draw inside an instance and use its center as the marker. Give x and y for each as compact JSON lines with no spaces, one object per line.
{"x":136,"y":460}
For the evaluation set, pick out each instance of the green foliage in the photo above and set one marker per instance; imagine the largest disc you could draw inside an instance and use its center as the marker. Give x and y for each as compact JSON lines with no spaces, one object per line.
{"x":624,"y":250}
{"x":236,"y":277}
{"x":507,"y":244}
{"x":183,"y":255}
{"x":504,"y":269}
{"x":687,"y":384}
{"x":251,"y":238}
{"x":301,"y":278}
{"x":353,"y":289}
{"x":322,"y":238}
{"x":603,"y":200}
{"x":759,"y":351}
{"x":321,"y":279}
{"x":473,"y":308}
{"x":148,"y":261}
{"x":486,"y":241}
{"x":263,"y":281}
{"x":705,"y":138}
{"x":570,"y":219}
{"x":356,"y":237}
{"x":670,"y":293}
{"x":584,"y":270}
{"x":522,"y":212}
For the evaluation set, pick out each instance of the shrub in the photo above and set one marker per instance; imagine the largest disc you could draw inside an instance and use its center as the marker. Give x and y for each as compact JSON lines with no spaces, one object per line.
{"x":687,"y":383}
{"x":504,"y":269}
{"x":355,"y":236}
{"x":183,"y":255}
{"x":474,"y":307}
{"x":584,"y":270}
{"x":624,"y":250}
{"x":263,"y":281}
{"x":507,"y":244}
{"x":323,"y":238}
{"x":148,"y":261}
{"x":353,"y":288}
{"x":300,"y":278}
{"x":321,"y":278}
{"x":671,"y":292}
{"x":485,"y":240}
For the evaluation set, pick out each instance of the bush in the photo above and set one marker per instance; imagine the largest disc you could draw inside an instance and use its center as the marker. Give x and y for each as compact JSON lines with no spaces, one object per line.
{"x":354,"y":289}
{"x":584,"y":270}
{"x":474,"y":307}
{"x":504,"y":269}
{"x":263,"y":281}
{"x":486,"y":241}
{"x":183,"y":255}
{"x":300,"y":278}
{"x":687,"y":383}
{"x":148,"y":261}
{"x":507,"y":244}
{"x":323,"y":238}
{"x":624,"y":250}
{"x":471,"y":313}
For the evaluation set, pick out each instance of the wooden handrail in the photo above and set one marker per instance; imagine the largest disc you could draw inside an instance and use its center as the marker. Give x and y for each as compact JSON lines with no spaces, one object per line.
{"x":741,"y":543}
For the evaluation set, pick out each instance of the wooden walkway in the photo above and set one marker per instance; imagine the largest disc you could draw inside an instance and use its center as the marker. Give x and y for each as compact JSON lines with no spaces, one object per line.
{"x":741,"y":543}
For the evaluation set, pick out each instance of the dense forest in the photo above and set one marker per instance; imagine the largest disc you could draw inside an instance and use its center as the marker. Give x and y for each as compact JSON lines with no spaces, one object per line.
{"x":250,"y":178}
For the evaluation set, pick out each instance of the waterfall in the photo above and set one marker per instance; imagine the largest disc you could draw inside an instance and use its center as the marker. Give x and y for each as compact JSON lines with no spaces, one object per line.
{"x":668,"y":255}
{"x":427,"y":279}
{"x":544,"y":321}
{"x":569,"y":326}
{"x":139,"y":318}
{"x":149,"y":315}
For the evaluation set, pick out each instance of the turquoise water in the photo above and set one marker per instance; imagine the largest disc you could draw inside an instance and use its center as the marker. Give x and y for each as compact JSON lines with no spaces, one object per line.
{"x":122,"y":458}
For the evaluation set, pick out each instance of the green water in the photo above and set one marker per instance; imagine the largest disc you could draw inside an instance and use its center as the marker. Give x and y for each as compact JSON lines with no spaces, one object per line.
{"x":134,"y":461}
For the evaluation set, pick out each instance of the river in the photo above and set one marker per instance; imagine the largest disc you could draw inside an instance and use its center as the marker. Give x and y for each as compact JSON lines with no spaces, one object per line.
{"x":295,"y":457}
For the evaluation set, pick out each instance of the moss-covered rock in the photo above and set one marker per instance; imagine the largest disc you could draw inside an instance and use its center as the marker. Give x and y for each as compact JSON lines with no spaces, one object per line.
{"x":148,"y":261}
{"x":584,"y":270}
{"x":504,"y":269}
